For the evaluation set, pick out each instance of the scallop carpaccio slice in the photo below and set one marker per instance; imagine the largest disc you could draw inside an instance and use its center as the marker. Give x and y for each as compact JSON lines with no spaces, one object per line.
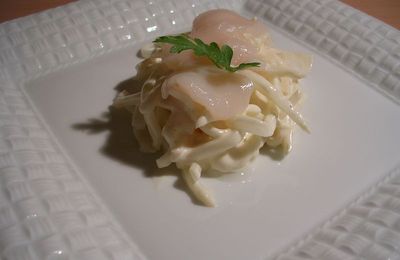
{"x":222,"y":94}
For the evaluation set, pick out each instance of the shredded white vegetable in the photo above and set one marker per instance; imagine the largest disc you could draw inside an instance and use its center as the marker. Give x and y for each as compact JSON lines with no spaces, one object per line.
{"x":198,"y":143}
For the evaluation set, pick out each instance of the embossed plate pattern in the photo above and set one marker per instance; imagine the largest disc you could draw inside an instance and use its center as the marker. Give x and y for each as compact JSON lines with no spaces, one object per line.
{"x":49,"y":211}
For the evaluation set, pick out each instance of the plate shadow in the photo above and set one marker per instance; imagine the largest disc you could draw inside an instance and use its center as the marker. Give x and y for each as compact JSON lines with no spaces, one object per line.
{"x":121,"y":144}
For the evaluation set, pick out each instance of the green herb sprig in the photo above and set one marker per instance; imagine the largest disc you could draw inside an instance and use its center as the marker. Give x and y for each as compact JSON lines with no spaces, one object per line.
{"x":221,"y":57}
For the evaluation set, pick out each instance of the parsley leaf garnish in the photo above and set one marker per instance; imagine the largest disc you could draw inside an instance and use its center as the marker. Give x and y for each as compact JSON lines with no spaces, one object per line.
{"x":221,"y":57}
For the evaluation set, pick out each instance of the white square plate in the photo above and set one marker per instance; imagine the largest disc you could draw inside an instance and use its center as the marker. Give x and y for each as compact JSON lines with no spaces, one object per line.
{"x":353,"y":144}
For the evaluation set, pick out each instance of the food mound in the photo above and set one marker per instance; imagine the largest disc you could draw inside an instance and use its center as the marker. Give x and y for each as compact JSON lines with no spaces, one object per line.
{"x":211,"y":98}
